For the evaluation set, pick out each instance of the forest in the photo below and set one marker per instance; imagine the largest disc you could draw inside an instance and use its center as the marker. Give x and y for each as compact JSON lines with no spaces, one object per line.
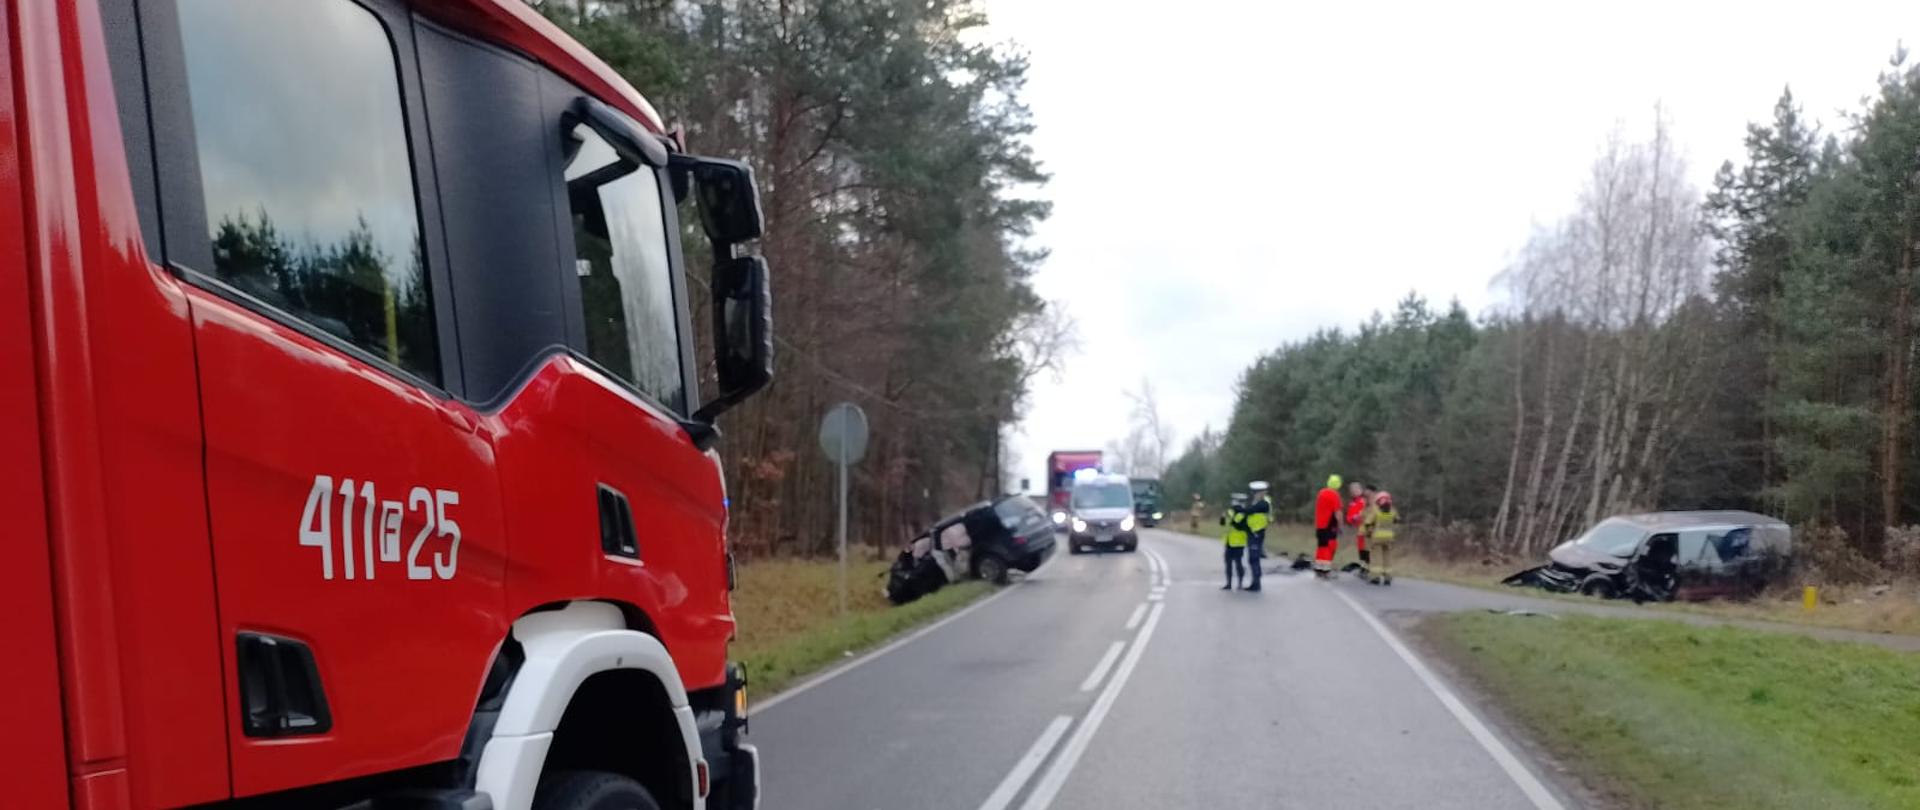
{"x":889,"y":144}
{"x":1750,"y":345}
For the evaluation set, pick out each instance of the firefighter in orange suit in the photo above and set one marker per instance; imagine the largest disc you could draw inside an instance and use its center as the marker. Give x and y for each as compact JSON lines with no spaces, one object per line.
{"x":1326,"y":526}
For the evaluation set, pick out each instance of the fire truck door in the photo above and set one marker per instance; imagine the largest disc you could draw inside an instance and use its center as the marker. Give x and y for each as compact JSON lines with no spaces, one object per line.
{"x":353,"y":500}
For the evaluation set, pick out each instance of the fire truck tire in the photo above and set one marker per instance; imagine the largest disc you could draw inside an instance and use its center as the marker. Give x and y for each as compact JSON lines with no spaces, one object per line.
{"x":592,"y":790}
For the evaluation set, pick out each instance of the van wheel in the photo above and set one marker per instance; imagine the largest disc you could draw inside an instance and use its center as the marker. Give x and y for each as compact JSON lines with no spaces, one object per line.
{"x":592,"y":790}
{"x":993,"y":569}
{"x":1598,"y":588}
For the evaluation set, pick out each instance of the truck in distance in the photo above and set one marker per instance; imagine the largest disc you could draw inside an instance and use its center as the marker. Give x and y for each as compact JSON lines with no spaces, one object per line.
{"x":1062,"y":468}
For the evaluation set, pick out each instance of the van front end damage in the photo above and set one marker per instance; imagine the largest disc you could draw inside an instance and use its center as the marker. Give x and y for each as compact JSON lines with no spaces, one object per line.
{"x":1550,"y":577}
{"x":1638,"y":581}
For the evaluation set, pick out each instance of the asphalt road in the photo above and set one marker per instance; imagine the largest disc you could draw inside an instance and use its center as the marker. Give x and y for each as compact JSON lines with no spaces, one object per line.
{"x":1122,"y":681}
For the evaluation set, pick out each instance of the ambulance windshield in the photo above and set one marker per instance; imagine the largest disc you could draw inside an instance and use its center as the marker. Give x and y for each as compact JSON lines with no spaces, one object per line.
{"x":1102,"y":496}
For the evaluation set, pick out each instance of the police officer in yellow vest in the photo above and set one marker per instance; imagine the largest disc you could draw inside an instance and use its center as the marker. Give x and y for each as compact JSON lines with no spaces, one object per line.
{"x":1236,"y":540}
{"x":1259,"y":514}
{"x":1379,"y":524}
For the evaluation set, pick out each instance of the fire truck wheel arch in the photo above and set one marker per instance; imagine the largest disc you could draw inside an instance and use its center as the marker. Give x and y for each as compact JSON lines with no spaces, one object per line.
{"x":563,"y":649}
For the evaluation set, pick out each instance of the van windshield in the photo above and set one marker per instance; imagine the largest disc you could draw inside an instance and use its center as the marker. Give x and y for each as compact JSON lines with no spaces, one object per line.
{"x":1618,"y":538}
{"x":1102,"y":496}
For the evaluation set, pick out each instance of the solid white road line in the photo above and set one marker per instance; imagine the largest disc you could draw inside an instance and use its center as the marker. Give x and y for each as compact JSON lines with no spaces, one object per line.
{"x":1166,"y":573}
{"x":1542,"y":798}
{"x":1023,"y":770}
{"x":1100,"y":669}
{"x":1056,"y":775}
{"x":890,"y":647}
{"x":1139,"y":612}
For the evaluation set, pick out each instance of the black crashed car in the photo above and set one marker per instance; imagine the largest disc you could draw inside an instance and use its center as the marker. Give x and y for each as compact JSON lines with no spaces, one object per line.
{"x":1005,"y":534}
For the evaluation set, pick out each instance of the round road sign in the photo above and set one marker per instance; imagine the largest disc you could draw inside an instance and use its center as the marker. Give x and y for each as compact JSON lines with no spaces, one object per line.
{"x":843,"y":433}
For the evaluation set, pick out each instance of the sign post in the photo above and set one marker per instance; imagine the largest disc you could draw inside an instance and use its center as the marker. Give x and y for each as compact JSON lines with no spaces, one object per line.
{"x":843,"y":437}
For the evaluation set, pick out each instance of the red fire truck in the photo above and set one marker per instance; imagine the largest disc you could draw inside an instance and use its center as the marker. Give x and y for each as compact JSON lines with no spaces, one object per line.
{"x":354,"y":444}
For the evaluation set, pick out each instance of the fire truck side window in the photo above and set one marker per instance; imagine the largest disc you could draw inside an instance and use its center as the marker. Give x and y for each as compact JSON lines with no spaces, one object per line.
{"x":305,"y":168}
{"x":626,"y":281}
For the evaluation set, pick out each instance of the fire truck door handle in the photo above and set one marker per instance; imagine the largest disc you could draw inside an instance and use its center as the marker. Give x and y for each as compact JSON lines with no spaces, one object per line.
{"x":458,"y":418}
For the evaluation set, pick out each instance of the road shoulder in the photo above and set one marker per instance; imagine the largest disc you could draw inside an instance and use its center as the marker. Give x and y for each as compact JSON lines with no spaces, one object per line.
{"x":1551,"y":765}
{"x":1674,"y":715}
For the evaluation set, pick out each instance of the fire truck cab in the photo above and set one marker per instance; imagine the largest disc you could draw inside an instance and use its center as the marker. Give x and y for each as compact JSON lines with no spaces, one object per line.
{"x":354,"y":441}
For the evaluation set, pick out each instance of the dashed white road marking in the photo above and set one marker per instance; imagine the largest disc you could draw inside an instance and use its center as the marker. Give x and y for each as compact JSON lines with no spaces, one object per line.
{"x":1542,"y":798}
{"x":1139,"y":612}
{"x":1056,"y":775}
{"x":1030,"y":762}
{"x":1100,"y":669}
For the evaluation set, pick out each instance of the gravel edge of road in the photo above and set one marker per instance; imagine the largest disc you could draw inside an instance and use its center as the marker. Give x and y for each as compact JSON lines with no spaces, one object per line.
{"x":1583,"y":787}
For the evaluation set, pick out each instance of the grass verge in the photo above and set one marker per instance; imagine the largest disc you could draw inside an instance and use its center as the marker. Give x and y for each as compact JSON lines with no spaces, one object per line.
{"x":1662,"y":714}
{"x":788,"y":612}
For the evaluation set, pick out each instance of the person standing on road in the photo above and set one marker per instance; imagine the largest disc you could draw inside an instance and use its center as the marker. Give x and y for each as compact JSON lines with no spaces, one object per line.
{"x":1326,"y":527}
{"x":1258,"y":515}
{"x":1193,"y":514}
{"x":1236,"y":541}
{"x":1380,"y":522}
{"x":1356,"y":516}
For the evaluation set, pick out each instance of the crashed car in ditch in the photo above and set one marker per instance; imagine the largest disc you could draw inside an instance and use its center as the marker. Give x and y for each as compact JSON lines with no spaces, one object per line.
{"x":1663,"y":556}
{"x":986,"y":540}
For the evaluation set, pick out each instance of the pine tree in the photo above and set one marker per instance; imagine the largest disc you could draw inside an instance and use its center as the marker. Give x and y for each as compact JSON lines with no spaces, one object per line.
{"x":1749,"y":212}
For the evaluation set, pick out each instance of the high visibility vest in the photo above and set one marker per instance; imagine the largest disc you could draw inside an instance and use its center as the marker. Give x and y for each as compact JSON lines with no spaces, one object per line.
{"x":1236,"y":536}
{"x":1259,"y":518}
{"x":1381,"y":524}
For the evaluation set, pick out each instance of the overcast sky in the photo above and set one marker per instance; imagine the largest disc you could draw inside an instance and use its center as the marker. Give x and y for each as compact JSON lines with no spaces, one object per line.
{"x":1229,"y":176}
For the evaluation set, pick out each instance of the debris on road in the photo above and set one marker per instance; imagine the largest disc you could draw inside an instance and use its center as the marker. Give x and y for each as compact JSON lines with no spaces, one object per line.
{"x":1521,"y":612}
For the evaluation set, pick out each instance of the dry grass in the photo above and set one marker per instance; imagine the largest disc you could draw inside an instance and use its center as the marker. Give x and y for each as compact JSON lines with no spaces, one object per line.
{"x":1847,"y":607}
{"x":781,"y":598}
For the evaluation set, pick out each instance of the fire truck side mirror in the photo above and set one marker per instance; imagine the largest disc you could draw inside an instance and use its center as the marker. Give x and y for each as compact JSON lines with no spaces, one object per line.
{"x":743,"y":332}
{"x":729,"y":202}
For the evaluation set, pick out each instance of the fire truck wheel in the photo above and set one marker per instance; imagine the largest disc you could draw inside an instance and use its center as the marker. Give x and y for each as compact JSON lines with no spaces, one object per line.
{"x":591,"y":790}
